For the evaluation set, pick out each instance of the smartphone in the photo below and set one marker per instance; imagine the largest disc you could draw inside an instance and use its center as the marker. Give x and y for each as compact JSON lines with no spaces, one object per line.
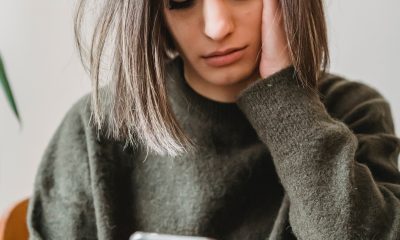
{"x":157,"y":236}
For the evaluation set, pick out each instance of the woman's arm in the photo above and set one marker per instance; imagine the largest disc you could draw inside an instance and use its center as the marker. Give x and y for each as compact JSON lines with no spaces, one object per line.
{"x":61,"y":206}
{"x":341,"y":175}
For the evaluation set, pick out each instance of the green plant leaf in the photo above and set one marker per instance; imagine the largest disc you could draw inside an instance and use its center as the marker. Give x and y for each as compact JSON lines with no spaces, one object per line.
{"x":7,"y":89}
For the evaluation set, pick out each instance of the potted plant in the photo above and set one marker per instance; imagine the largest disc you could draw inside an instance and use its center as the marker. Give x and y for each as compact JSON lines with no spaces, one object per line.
{"x":7,"y":89}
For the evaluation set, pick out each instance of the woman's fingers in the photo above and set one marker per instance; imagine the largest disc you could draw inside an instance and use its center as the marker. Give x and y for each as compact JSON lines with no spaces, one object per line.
{"x":275,"y":55}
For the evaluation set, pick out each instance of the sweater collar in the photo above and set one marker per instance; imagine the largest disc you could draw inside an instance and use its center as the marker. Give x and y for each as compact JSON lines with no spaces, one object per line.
{"x":184,"y":96}
{"x":218,"y":124}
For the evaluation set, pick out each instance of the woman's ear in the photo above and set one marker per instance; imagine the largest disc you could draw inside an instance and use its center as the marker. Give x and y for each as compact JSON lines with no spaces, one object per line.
{"x":170,"y":41}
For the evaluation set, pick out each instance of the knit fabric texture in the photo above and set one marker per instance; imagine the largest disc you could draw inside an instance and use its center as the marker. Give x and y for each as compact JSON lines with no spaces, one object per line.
{"x":281,"y":162}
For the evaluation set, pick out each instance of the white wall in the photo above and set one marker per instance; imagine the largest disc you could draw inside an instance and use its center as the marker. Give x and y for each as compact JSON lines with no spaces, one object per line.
{"x":36,"y":42}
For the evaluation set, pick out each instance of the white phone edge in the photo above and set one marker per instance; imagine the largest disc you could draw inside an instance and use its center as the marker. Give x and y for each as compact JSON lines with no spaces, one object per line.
{"x":157,"y":236}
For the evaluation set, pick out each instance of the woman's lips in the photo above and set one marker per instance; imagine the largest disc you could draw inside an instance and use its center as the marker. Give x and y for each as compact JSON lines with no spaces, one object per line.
{"x":223,"y":60}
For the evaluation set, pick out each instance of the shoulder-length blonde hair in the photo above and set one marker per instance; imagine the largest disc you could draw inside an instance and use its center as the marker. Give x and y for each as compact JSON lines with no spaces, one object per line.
{"x":135,"y":34}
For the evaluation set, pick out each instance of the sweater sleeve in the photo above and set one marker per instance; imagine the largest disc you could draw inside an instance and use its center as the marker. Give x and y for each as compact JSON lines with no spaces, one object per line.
{"x":339,"y":172}
{"x":61,"y":206}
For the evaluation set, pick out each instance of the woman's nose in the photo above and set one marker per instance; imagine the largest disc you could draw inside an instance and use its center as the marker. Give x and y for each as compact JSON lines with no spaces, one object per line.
{"x":217,"y":19}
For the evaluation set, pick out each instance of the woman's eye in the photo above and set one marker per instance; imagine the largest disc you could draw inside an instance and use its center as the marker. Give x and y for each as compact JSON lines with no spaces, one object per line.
{"x":179,"y":4}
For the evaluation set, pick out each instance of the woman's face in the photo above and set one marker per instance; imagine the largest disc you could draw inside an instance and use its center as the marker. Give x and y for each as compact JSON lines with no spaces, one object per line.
{"x":201,"y":27}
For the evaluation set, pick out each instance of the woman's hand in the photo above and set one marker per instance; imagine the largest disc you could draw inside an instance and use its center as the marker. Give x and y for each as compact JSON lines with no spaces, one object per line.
{"x":275,"y":55}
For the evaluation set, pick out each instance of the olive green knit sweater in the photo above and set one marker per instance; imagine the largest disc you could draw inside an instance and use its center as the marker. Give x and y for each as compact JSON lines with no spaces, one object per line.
{"x":280,"y":163}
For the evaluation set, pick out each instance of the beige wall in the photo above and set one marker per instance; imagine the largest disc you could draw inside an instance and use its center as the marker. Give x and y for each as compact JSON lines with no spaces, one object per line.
{"x":36,"y":42}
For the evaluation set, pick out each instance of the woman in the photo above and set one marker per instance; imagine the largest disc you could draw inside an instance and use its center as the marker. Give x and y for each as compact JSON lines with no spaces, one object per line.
{"x":260,"y":143}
